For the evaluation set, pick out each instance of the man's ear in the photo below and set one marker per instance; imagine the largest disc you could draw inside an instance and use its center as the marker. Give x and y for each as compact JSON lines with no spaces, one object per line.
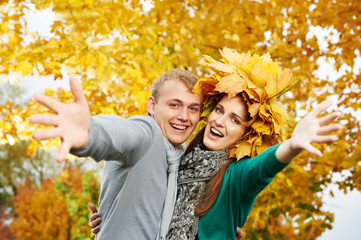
{"x":151,"y":105}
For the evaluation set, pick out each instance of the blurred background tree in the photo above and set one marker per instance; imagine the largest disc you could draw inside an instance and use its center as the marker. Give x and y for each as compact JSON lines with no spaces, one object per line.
{"x":118,"y":48}
{"x":39,"y":198}
{"x":58,"y":209}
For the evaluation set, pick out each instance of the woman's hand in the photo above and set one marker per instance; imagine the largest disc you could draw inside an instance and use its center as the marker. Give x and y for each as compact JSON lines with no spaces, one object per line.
{"x":311,"y":129}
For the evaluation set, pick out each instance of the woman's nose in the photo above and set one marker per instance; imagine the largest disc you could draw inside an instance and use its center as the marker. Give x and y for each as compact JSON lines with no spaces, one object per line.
{"x":220,"y":121}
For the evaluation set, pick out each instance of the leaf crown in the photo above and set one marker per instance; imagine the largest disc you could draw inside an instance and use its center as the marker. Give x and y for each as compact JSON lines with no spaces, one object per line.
{"x":260,"y":81}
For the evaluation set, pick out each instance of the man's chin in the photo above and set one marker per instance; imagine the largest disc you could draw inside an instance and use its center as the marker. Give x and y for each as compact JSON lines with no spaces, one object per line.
{"x":177,"y":142}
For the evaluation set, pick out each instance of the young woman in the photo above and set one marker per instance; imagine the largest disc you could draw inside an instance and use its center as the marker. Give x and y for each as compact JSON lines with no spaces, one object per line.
{"x":215,"y":192}
{"x":231,"y":192}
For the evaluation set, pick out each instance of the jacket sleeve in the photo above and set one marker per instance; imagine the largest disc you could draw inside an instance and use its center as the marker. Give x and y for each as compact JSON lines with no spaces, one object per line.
{"x":114,"y":138}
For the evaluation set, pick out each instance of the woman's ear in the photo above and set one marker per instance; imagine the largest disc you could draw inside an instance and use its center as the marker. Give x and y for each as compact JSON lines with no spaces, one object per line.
{"x":151,"y":105}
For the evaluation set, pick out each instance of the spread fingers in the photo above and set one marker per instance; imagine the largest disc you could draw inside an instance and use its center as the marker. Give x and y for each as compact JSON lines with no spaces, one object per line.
{"x":47,"y":134}
{"x":47,"y":119}
{"x":47,"y":102}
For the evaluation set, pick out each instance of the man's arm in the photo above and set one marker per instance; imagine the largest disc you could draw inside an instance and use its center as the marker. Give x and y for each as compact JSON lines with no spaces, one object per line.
{"x":71,"y":121}
{"x":115,"y":138}
{"x":107,"y":137}
{"x":310,"y":129}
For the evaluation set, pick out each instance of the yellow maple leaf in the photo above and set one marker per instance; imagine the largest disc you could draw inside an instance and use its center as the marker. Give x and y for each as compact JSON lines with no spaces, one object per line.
{"x":24,"y":67}
{"x":253,"y":110}
{"x":282,"y":83}
{"x":264,"y":144}
{"x":259,"y":75}
{"x":262,"y":126}
{"x":265,"y":113}
{"x":279,"y":112}
{"x":222,"y":67}
{"x":206,"y":85}
{"x":31,"y":149}
{"x":233,"y":57}
{"x":243,"y":148}
{"x":197,"y":89}
{"x":231,"y":84}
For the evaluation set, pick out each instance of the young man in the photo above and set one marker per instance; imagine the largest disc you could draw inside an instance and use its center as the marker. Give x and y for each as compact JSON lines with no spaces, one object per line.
{"x":140,"y":151}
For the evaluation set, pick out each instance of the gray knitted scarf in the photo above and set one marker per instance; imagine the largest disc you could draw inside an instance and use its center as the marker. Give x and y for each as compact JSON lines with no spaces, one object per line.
{"x":195,"y":169}
{"x":173,"y":160}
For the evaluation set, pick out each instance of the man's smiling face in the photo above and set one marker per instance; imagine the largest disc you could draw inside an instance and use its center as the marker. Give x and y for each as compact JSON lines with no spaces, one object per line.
{"x":176,"y":111}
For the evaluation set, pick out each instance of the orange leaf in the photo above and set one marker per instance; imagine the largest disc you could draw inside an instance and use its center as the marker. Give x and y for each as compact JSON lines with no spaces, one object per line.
{"x":281,"y":84}
{"x":31,"y":150}
{"x":231,"y":84}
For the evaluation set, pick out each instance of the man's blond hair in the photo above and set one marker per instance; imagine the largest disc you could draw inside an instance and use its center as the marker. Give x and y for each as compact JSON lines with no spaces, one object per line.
{"x":186,"y":77}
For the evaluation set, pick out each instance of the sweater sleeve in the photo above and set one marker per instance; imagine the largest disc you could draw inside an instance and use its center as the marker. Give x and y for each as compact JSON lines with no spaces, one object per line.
{"x":241,"y":184}
{"x":250,"y":176}
{"x":114,"y":138}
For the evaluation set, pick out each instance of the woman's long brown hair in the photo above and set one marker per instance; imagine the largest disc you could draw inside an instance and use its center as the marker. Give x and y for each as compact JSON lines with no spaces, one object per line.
{"x":211,"y":190}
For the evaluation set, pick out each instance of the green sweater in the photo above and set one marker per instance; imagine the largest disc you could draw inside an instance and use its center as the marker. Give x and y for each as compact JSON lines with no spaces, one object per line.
{"x":242,"y":182}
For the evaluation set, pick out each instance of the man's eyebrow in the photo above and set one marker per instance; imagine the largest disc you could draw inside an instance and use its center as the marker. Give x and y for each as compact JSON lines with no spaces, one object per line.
{"x":195,"y":104}
{"x":180,"y":101}
{"x":175,"y":99}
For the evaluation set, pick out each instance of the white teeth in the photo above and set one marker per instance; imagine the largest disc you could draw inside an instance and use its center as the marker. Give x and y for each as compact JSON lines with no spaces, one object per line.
{"x":178,"y":127}
{"x":216,"y":132}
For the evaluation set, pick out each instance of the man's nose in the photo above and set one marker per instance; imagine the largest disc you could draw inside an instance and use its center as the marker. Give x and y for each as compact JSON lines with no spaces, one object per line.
{"x":183,"y":114}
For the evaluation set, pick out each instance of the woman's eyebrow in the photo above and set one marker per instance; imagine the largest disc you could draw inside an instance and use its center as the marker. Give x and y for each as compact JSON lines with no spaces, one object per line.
{"x":232,"y":114}
{"x":236,"y":115}
{"x":219,"y":105}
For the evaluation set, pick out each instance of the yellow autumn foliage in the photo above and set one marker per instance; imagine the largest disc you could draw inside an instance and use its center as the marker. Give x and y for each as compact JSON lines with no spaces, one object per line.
{"x":118,"y":48}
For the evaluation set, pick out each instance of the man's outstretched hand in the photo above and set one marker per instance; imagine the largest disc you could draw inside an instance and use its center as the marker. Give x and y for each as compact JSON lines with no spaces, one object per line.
{"x":71,"y":122}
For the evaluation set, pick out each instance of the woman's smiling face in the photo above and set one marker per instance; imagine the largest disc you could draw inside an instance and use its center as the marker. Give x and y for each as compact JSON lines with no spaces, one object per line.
{"x":225,"y":123}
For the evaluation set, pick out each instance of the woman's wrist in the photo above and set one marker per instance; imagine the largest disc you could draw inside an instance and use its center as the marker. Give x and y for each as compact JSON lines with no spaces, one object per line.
{"x":287,"y":151}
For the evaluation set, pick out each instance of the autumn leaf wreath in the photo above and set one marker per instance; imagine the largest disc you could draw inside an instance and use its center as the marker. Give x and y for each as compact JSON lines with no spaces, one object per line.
{"x":260,"y":81}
